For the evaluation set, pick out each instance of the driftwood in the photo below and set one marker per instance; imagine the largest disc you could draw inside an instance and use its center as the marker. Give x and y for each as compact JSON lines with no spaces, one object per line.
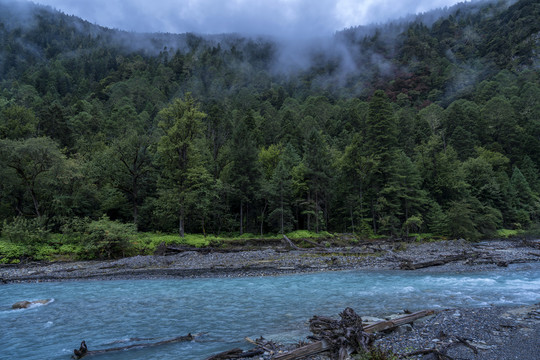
{"x":262,"y":344}
{"x":290,"y":243}
{"x":344,"y":336}
{"x":392,"y":324}
{"x":361,"y":339}
{"x":236,"y":354}
{"x":83,"y":350}
{"x":409,"y":265}
{"x":317,"y":245}
{"x":306,"y":350}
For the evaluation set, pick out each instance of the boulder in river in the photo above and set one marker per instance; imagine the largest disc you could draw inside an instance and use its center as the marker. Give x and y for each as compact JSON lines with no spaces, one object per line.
{"x":26,"y":304}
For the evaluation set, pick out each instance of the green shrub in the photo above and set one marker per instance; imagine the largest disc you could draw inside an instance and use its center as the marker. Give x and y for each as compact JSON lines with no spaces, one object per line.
{"x":508,"y":233}
{"x":11,"y":253}
{"x":26,"y":231}
{"x":305,"y":234}
{"x":103,"y":238}
{"x":74,"y":230}
{"x":71,"y":251}
{"x":147,"y":243}
{"x":43,"y":252}
{"x":106,"y":239}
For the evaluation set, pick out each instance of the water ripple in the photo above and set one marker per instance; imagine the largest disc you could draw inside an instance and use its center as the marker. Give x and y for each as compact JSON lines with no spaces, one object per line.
{"x":102,"y":312}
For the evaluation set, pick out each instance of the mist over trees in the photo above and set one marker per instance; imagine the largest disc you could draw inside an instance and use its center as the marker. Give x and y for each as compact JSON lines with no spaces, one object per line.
{"x":429,"y":124}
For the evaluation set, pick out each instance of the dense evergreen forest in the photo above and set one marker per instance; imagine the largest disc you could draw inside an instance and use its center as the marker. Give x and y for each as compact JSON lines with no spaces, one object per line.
{"x":427,"y":124}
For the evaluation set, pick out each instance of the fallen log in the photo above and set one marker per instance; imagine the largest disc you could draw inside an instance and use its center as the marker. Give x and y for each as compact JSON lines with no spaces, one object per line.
{"x":409,"y":265}
{"x":322,"y":345}
{"x":225,"y":354}
{"x":394,"y":323}
{"x":236,"y":354}
{"x":290,"y":243}
{"x":306,"y":350}
{"x":264,"y":344}
{"x":317,"y":245}
{"x":84,"y":352}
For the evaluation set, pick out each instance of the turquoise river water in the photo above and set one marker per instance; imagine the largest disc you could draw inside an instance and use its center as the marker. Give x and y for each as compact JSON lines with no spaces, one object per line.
{"x":109,"y":313}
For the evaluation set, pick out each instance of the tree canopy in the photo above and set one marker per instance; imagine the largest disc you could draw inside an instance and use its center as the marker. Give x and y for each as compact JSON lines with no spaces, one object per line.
{"x":425,"y":124}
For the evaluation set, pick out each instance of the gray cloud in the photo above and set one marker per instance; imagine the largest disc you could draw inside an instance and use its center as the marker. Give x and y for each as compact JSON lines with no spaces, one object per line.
{"x":280,"y":18}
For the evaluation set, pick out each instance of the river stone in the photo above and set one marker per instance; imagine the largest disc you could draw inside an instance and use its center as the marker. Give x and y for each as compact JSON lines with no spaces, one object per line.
{"x":25,"y":304}
{"x":403,"y":329}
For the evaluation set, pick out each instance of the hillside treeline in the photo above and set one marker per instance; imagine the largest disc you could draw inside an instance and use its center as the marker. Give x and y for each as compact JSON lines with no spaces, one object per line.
{"x":410,"y":126}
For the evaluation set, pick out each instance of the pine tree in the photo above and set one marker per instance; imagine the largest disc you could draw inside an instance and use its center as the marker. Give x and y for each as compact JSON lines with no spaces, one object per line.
{"x":181,"y":123}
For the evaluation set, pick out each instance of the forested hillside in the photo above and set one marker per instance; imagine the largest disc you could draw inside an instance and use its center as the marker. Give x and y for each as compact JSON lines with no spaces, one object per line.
{"x":429,"y":124}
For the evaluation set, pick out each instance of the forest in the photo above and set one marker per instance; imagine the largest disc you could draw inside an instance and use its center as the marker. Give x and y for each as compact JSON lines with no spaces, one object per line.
{"x":429,"y":124}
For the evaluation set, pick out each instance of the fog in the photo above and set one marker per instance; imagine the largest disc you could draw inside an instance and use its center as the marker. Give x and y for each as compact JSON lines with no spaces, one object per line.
{"x":278,"y":18}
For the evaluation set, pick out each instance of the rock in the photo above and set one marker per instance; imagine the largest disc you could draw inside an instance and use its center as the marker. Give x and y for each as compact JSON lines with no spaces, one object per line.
{"x":21,"y":305}
{"x":26,"y":304}
{"x":403,"y":329}
{"x":429,"y":356}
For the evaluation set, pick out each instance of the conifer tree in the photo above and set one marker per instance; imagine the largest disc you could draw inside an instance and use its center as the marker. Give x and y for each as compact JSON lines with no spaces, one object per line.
{"x":181,"y":123}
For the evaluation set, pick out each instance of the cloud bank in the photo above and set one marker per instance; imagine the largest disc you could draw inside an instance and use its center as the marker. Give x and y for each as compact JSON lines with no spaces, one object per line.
{"x":280,"y":18}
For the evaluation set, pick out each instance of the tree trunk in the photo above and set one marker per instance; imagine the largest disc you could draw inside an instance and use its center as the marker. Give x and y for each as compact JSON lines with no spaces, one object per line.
{"x":373,"y":217}
{"x":35,"y":201}
{"x":281,"y":214}
{"x":352,"y":218}
{"x":406,"y":218}
{"x":262,"y":216}
{"x":135,"y":194}
{"x":203,"y":228}
{"x":308,"y":214}
{"x":317,"y":212}
{"x":241,"y":217}
{"x":181,"y":222}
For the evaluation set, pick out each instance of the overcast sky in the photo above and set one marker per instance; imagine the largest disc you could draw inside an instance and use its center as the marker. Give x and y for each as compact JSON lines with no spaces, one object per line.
{"x":303,"y":18}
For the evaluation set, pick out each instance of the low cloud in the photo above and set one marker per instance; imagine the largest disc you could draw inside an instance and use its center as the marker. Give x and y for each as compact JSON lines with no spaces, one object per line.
{"x":279,"y":18}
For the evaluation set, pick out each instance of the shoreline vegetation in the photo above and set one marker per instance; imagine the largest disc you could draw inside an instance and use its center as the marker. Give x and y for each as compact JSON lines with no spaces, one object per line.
{"x":274,"y":256}
{"x":28,"y":241}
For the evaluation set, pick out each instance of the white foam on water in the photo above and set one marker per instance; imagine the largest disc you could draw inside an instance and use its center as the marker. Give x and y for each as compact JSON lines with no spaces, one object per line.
{"x":230,"y":309}
{"x":38,"y":304}
{"x":408,"y":289}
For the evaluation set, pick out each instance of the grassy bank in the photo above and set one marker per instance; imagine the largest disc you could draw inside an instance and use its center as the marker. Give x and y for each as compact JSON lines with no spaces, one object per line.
{"x":111,"y":241}
{"x":106,"y":239}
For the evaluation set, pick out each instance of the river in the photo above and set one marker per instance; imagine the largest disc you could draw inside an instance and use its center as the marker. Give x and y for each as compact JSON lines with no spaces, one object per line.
{"x":108,"y":313}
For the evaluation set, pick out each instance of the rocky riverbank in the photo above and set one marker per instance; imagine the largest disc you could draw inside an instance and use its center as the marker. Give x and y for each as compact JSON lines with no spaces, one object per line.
{"x":449,"y":255}
{"x":489,"y":333}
